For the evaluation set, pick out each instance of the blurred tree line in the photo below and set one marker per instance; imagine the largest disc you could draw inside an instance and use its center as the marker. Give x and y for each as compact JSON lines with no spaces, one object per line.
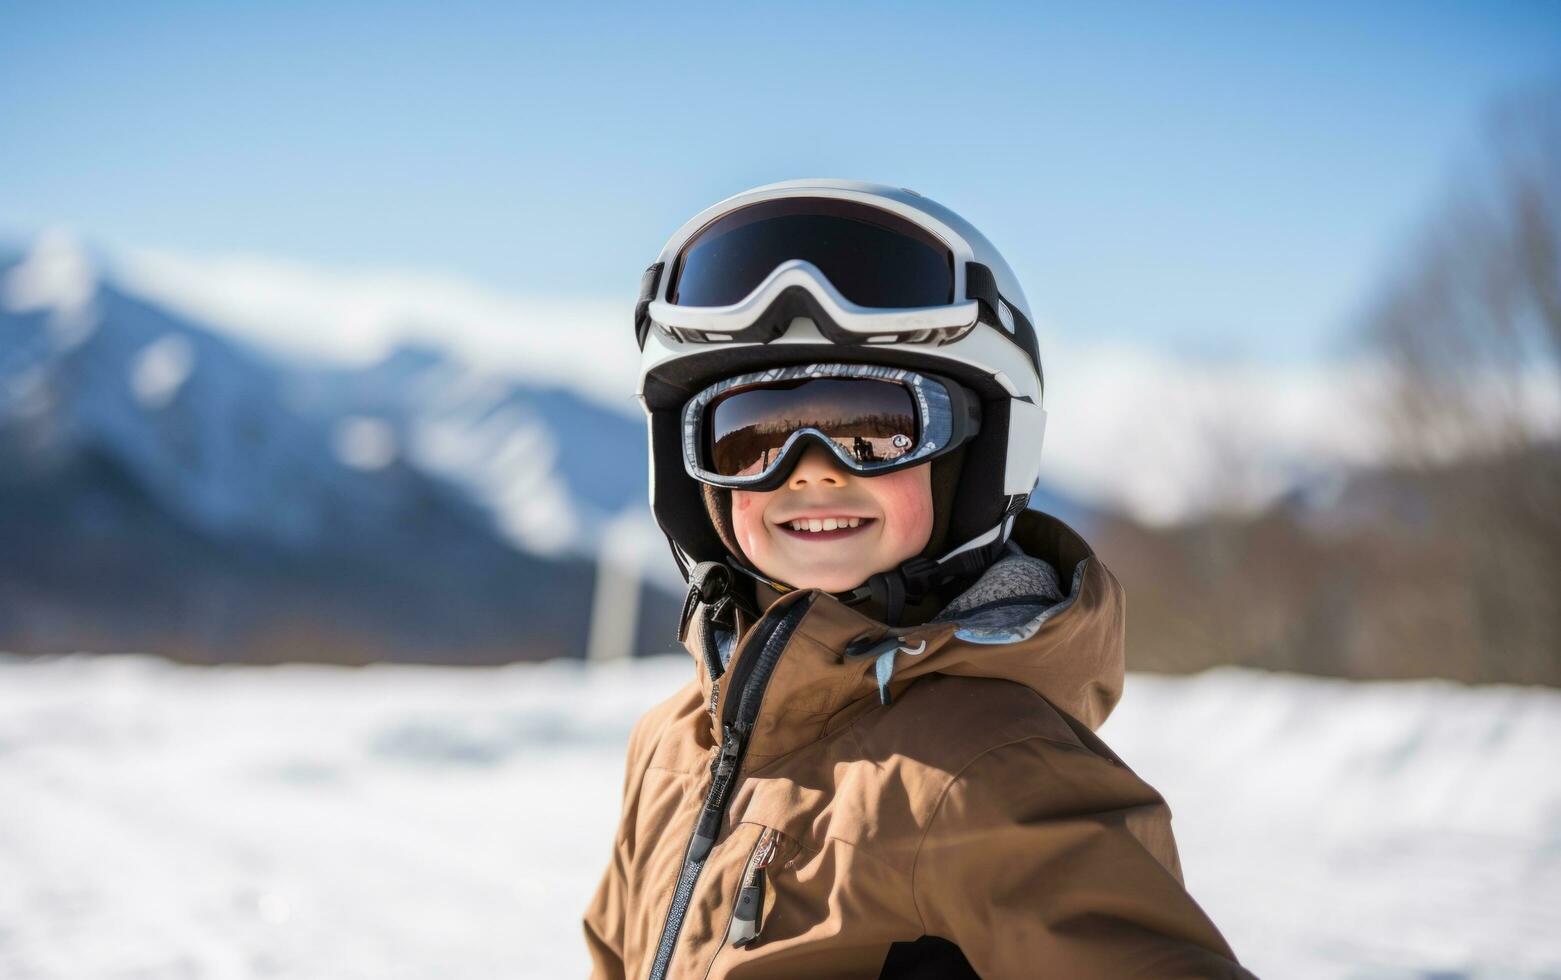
{"x":1446,"y":559}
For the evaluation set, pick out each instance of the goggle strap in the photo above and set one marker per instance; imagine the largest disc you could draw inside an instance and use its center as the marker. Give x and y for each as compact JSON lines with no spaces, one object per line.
{"x":649,"y":282}
{"x":981,"y":286}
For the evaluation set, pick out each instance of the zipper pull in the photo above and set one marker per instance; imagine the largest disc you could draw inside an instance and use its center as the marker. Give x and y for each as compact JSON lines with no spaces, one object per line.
{"x":725,"y":762}
{"x":747,"y":918}
{"x":722,"y":768}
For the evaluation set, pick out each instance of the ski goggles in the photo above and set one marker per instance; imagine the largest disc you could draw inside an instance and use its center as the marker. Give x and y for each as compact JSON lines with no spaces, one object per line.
{"x":862,"y":273}
{"x":748,"y":431}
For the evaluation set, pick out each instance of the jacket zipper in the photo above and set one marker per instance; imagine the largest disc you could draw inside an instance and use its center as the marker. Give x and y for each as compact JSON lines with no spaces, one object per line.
{"x":749,"y":674}
{"x":748,"y":917}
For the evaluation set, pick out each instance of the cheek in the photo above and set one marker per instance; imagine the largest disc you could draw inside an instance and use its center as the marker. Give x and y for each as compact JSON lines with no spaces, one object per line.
{"x":748,"y":520}
{"x":906,"y":499}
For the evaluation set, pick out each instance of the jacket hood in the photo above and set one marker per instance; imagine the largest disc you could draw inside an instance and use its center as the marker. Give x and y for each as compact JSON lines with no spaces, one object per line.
{"x":1017,"y":622}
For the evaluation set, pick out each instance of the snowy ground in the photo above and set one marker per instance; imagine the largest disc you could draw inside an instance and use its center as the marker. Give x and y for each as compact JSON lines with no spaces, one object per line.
{"x":397,"y":821}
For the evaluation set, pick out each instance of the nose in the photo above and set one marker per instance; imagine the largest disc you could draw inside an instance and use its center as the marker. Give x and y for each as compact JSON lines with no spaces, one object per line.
{"x":816,"y":468}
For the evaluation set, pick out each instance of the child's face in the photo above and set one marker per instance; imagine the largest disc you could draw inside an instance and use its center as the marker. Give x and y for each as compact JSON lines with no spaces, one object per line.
{"x":893,"y":513}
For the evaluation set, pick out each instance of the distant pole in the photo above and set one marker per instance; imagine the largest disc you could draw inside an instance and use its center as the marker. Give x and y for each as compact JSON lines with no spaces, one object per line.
{"x":615,"y":604}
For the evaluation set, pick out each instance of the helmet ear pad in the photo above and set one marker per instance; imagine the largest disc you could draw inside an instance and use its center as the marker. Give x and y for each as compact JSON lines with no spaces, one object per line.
{"x":946,"y":472}
{"x":945,"y":477}
{"x":718,"y":505}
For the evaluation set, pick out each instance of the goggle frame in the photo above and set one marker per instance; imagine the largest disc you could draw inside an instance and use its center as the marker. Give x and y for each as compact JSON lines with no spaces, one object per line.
{"x":948,"y":416}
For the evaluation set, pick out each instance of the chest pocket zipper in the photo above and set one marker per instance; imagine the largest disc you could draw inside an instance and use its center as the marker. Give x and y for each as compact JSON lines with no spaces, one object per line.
{"x":748,"y":917}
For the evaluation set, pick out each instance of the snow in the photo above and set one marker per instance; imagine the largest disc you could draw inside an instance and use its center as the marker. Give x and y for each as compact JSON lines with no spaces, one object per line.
{"x":306,"y":821}
{"x":508,"y":458}
{"x":56,"y":275}
{"x":1338,"y":828}
{"x":364,"y":443}
{"x":159,"y":369}
{"x":410,"y":821}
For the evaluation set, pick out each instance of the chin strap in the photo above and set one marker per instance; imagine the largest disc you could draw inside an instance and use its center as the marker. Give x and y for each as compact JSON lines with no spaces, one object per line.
{"x":913,"y":580}
{"x":899,"y":587}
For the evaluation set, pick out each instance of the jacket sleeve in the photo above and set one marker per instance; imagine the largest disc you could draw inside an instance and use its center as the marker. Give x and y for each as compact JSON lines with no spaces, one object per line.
{"x":1047,"y":859}
{"x":605,"y":916}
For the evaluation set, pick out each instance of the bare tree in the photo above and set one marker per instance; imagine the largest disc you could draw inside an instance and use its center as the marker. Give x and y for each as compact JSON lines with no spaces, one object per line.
{"x":1470,"y":336}
{"x":1470,"y":328}
{"x":1445,"y":560}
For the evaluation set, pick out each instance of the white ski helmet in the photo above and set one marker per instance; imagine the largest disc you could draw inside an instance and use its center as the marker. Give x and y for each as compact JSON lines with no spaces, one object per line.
{"x":817,"y":271}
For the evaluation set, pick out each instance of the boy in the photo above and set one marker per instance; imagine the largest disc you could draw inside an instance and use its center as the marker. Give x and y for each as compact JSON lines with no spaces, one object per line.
{"x":885,"y":765}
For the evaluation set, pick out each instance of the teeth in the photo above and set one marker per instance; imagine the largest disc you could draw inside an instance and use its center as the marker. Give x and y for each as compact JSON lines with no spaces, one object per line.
{"x":824,"y":524}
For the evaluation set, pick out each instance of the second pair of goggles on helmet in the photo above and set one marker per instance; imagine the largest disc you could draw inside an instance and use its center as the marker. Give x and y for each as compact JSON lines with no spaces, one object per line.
{"x":747,"y":432}
{"x":864,"y":274}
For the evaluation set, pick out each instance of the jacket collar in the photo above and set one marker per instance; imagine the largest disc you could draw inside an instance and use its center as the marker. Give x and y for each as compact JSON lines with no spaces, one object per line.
{"x":1047,"y":614}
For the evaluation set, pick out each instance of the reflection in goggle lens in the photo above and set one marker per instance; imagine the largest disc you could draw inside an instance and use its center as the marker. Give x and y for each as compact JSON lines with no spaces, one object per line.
{"x":872,"y":421}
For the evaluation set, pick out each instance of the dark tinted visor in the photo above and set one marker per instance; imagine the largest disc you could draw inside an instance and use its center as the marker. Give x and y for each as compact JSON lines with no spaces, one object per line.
{"x":873,"y":421}
{"x":875,"y":258}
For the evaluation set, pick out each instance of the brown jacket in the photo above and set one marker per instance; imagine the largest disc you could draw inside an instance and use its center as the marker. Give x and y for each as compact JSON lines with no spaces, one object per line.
{"x":977,"y":805}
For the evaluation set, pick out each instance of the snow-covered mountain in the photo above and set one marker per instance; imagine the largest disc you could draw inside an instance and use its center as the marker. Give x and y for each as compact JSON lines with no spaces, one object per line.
{"x":240,"y":441}
{"x":164,"y":477}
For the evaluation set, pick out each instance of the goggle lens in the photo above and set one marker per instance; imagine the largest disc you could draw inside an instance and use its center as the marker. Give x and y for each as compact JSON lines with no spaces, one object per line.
{"x":872,"y":421}
{"x":874,"y":257}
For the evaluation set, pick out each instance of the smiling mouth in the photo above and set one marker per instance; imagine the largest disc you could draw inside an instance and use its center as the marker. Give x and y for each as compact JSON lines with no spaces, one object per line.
{"x":825,"y":529}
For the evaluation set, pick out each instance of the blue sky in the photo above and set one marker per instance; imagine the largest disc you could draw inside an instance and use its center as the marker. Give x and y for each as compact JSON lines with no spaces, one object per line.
{"x":1218,"y":179}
